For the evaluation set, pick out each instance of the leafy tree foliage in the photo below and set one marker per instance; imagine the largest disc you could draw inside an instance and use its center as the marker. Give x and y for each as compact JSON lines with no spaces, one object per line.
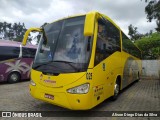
{"x":133,"y":33}
{"x":12,"y":31}
{"x":150,"y":46}
{"x":153,"y":12}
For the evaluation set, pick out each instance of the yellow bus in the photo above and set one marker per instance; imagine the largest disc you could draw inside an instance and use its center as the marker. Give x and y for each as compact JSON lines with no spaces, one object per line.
{"x":81,"y":61}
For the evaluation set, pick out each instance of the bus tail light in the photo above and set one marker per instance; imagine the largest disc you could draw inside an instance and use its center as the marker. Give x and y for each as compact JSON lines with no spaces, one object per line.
{"x":82,"y":89}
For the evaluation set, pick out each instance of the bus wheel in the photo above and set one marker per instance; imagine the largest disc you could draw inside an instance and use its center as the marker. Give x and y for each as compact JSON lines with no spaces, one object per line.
{"x":13,"y":77}
{"x":116,"y":90}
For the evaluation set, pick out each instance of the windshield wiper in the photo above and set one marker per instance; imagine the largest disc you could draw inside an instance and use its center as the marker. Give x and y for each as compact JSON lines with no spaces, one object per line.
{"x":42,"y":64}
{"x":67,"y":62}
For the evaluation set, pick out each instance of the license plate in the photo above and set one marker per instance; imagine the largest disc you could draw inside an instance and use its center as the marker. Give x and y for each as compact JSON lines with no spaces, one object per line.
{"x":49,"y":96}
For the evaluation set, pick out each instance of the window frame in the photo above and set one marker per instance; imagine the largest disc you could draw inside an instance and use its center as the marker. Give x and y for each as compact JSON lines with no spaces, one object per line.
{"x":117,"y":47}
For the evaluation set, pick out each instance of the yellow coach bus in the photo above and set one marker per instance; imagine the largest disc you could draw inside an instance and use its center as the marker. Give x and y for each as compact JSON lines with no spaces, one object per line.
{"x":81,"y":61}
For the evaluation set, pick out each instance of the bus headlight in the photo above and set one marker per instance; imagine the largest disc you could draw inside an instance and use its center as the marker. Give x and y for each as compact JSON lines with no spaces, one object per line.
{"x":82,"y":89}
{"x":32,"y":83}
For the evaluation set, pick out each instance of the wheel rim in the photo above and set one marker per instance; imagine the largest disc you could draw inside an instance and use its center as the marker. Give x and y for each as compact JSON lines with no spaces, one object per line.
{"x":14,"y":77}
{"x":116,"y":89}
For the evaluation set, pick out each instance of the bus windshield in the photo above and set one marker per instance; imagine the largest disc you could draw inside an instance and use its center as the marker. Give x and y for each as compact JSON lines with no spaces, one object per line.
{"x":63,"y":47}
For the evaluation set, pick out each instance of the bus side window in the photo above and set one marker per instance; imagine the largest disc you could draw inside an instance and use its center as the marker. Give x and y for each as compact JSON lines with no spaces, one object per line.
{"x":102,"y":44}
{"x":32,"y":52}
{"x":28,"y":52}
{"x":108,"y":40}
{"x":129,"y":47}
{"x":9,"y":52}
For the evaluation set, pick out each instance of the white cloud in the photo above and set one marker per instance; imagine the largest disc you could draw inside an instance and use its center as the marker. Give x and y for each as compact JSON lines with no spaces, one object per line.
{"x":36,"y":12}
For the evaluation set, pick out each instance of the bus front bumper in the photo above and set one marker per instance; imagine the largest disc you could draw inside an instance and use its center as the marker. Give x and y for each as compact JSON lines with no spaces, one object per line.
{"x":62,"y":99}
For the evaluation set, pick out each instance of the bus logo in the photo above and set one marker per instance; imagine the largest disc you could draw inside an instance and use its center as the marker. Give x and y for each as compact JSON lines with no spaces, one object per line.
{"x":6,"y":114}
{"x":50,"y":81}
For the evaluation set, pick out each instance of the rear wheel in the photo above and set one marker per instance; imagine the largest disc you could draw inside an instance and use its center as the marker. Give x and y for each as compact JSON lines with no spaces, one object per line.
{"x":13,"y":77}
{"x":116,"y":90}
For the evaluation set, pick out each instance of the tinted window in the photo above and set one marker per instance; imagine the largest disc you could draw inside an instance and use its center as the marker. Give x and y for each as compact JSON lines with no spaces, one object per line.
{"x":66,"y":47}
{"x":108,"y":40}
{"x":28,"y":52}
{"x":9,"y":52}
{"x":129,"y":47}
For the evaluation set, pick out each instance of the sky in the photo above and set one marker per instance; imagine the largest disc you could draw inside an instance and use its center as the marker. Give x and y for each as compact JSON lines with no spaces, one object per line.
{"x":34,"y":13}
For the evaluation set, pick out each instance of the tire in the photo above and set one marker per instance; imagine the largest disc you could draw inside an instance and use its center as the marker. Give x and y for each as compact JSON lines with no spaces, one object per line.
{"x":14,"y":77}
{"x":116,"y":90}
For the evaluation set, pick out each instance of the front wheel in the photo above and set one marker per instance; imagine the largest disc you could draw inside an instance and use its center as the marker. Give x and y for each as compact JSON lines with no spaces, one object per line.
{"x":13,"y":77}
{"x":116,"y":90}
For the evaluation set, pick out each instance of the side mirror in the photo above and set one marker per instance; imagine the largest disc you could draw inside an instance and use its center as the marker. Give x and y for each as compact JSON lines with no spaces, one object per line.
{"x":27,"y":33}
{"x":89,"y":23}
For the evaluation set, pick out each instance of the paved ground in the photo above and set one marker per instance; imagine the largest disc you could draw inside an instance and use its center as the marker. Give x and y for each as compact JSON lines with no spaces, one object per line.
{"x":140,"y":96}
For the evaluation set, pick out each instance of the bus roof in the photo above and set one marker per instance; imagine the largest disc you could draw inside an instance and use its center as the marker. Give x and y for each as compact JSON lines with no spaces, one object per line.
{"x":95,"y":12}
{"x":15,"y":44}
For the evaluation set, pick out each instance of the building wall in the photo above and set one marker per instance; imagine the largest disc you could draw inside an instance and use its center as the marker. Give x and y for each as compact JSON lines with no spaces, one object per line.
{"x":151,"y":69}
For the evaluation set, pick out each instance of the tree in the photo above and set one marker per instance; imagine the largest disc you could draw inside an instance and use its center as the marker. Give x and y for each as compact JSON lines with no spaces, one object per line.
{"x":1,"y":27}
{"x":153,"y":12}
{"x":150,"y":46}
{"x":12,"y":31}
{"x":15,"y":26}
{"x":5,"y":29}
{"x":133,"y":33}
{"x":150,"y":32}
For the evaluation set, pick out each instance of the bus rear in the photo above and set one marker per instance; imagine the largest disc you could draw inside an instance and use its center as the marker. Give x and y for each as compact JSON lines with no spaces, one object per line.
{"x":15,"y":61}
